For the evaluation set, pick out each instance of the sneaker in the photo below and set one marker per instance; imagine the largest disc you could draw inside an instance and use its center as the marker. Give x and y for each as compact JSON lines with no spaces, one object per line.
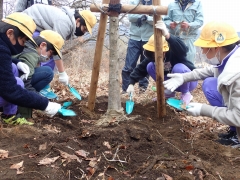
{"x":186,"y":98}
{"x":15,"y":120}
{"x":123,"y":92}
{"x":233,"y":141}
{"x":48,"y":93}
{"x":227,"y":135}
{"x":169,"y":94}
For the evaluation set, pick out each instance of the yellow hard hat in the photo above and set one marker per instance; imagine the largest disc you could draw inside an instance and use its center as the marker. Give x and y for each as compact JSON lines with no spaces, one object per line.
{"x":150,"y":44}
{"x":216,"y":34}
{"x":89,"y":18}
{"x":54,"y":38}
{"x":24,"y":22}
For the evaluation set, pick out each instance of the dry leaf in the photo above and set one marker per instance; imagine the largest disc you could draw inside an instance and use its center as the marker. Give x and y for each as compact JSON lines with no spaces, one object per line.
{"x":92,"y":163}
{"x":3,"y":154}
{"x":167,"y":177}
{"x":82,"y":153}
{"x":18,"y":167}
{"x":90,"y":170}
{"x":69,"y":157}
{"x":105,"y":143}
{"x":110,"y":178}
{"x":43,"y":146}
{"x":46,"y":161}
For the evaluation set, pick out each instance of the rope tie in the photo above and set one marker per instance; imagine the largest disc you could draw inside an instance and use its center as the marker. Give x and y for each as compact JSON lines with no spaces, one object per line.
{"x":115,"y":7}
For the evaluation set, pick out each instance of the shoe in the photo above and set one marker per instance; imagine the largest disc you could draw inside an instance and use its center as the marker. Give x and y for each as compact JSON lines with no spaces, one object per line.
{"x":168,"y":94}
{"x":227,"y":135}
{"x":186,"y":98}
{"x":15,"y":120}
{"x":123,"y":92}
{"x":48,"y":93}
{"x":233,"y":141}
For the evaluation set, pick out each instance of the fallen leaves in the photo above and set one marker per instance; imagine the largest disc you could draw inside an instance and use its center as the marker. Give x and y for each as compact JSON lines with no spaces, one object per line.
{"x":3,"y":154}
{"x":18,"y":167}
{"x":47,"y":161}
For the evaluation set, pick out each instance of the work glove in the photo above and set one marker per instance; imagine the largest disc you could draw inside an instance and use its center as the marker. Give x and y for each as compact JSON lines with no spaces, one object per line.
{"x":161,"y":25}
{"x":63,"y":78}
{"x":52,"y":108}
{"x":130,"y":89}
{"x":174,"y":82}
{"x":143,"y":18}
{"x":194,"y":109}
{"x":24,"y":68}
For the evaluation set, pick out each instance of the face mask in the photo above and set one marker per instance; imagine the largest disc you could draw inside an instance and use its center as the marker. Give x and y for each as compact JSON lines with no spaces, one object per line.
{"x":18,"y":47}
{"x":43,"y":57}
{"x":212,"y":61}
{"x":78,"y":31}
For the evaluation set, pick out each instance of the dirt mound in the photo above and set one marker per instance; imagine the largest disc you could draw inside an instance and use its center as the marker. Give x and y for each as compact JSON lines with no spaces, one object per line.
{"x":144,"y":148}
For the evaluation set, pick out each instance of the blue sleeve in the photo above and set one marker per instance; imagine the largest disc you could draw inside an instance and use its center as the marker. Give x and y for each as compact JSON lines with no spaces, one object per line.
{"x":198,"y":20}
{"x":168,"y":18}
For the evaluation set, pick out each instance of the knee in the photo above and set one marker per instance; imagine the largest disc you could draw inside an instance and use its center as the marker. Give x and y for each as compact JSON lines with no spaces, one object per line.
{"x":208,"y":83}
{"x":49,"y":72}
{"x":15,"y":70}
{"x":180,"y":68}
{"x":150,"y":67}
{"x":20,"y":82}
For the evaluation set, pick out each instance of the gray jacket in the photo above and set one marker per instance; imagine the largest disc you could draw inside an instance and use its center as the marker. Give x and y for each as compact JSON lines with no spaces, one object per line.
{"x":228,"y":87}
{"x":21,"y":5}
{"x":48,"y":17}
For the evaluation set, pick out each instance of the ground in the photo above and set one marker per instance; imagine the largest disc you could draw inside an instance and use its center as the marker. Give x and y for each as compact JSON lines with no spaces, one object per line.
{"x":145,"y":148}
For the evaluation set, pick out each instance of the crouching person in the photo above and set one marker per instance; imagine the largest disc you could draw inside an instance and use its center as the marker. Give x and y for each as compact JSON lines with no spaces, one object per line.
{"x":49,"y":44}
{"x":175,"y":61}
{"x":15,"y":30}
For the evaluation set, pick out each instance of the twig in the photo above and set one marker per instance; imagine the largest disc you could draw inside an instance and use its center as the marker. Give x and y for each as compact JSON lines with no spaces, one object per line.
{"x":114,"y":156}
{"x":171,"y":144}
{"x":16,"y":156}
{"x":69,"y":176}
{"x":156,"y":158}
{"x":219,"y":176}
{"x":36,"y":172}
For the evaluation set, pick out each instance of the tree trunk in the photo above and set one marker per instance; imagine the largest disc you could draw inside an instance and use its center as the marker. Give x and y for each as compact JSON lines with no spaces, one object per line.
{"x":114,"y":101}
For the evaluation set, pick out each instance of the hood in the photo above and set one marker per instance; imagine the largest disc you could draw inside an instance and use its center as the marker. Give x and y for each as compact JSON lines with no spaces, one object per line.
{"x":70,"y":13}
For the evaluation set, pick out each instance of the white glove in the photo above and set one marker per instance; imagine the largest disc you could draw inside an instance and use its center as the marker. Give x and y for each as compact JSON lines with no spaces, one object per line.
{"x":161,"y":25}
{"x":52,"y":108}
{"x":174,"y":82}
{"x":24,"y":68}
{"x":63,"y":78}
{"x":194,"y":109}
{"x":130,"y":89}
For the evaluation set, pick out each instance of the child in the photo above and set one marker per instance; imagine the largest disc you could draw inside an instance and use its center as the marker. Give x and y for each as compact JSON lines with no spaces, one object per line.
{"x":219,"y":42}
{"x":175,"y":61}
{"x":49,"y":43}
{"x":15,"y":30}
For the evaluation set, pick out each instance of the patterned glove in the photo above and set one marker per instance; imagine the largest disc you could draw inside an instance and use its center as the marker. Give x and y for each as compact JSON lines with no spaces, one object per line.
{"x":143,"y":18}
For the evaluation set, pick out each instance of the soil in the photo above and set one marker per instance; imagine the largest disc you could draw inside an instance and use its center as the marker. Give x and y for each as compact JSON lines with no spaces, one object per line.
{"x":145,"y":148}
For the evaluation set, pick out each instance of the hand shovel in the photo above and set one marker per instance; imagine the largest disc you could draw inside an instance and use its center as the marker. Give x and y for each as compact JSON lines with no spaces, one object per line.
{"x":66,"y":112}
{"x":74,"y":92}
{"x":129,"y":105}
{"x":177,"y":103}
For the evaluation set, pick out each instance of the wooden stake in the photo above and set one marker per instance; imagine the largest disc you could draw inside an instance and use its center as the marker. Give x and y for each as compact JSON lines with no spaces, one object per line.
{"x":161,"y":108}
{"x":97,"y":59}
{"x":132,"y":9}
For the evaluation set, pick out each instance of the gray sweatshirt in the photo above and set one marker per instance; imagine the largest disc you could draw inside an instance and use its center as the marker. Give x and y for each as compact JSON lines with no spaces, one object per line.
{"x":48,"y":17}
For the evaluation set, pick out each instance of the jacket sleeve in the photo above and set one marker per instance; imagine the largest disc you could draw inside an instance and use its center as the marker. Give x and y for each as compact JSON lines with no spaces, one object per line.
{"x":139,"y":72}
{"x":226,"y":115}
{"x":198,"y":19}
{"x":134,"y":17}
{"x":198,"y":74}
{"x":168,"y":19}
{"x":177,"y":46}
{"x":20,"y":5}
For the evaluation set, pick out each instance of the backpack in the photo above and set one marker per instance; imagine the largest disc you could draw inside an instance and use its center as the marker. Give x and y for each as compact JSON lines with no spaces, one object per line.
{"x":32,"y":2}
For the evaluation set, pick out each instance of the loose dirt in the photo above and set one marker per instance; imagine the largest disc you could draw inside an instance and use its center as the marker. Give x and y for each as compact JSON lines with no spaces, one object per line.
{"x":148,"y":147}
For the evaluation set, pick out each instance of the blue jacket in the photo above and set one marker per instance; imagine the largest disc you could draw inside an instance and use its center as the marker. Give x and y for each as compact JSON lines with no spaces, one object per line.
{"x":9,"y":89}
{"x":144,"y":32}
{"x":176,"y":54}
{"x":193,"y":14}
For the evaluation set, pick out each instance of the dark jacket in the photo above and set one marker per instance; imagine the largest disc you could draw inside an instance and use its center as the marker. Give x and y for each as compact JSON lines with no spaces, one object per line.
{"x":9,"y":89}
{"x":177,"y":54}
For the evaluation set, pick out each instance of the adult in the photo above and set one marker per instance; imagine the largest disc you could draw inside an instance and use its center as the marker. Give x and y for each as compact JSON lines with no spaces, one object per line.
{"x":140,"y":31}
{"x":184,"y":18}
{"x":219,"y":42}
{"x":175,"y":61}
{"x":15,"y":30}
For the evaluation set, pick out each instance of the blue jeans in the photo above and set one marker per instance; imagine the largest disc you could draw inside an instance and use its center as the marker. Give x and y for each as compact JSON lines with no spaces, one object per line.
{"x":134,"y":50}
{"x":214,"y":98}
{"x":42,"y":77}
